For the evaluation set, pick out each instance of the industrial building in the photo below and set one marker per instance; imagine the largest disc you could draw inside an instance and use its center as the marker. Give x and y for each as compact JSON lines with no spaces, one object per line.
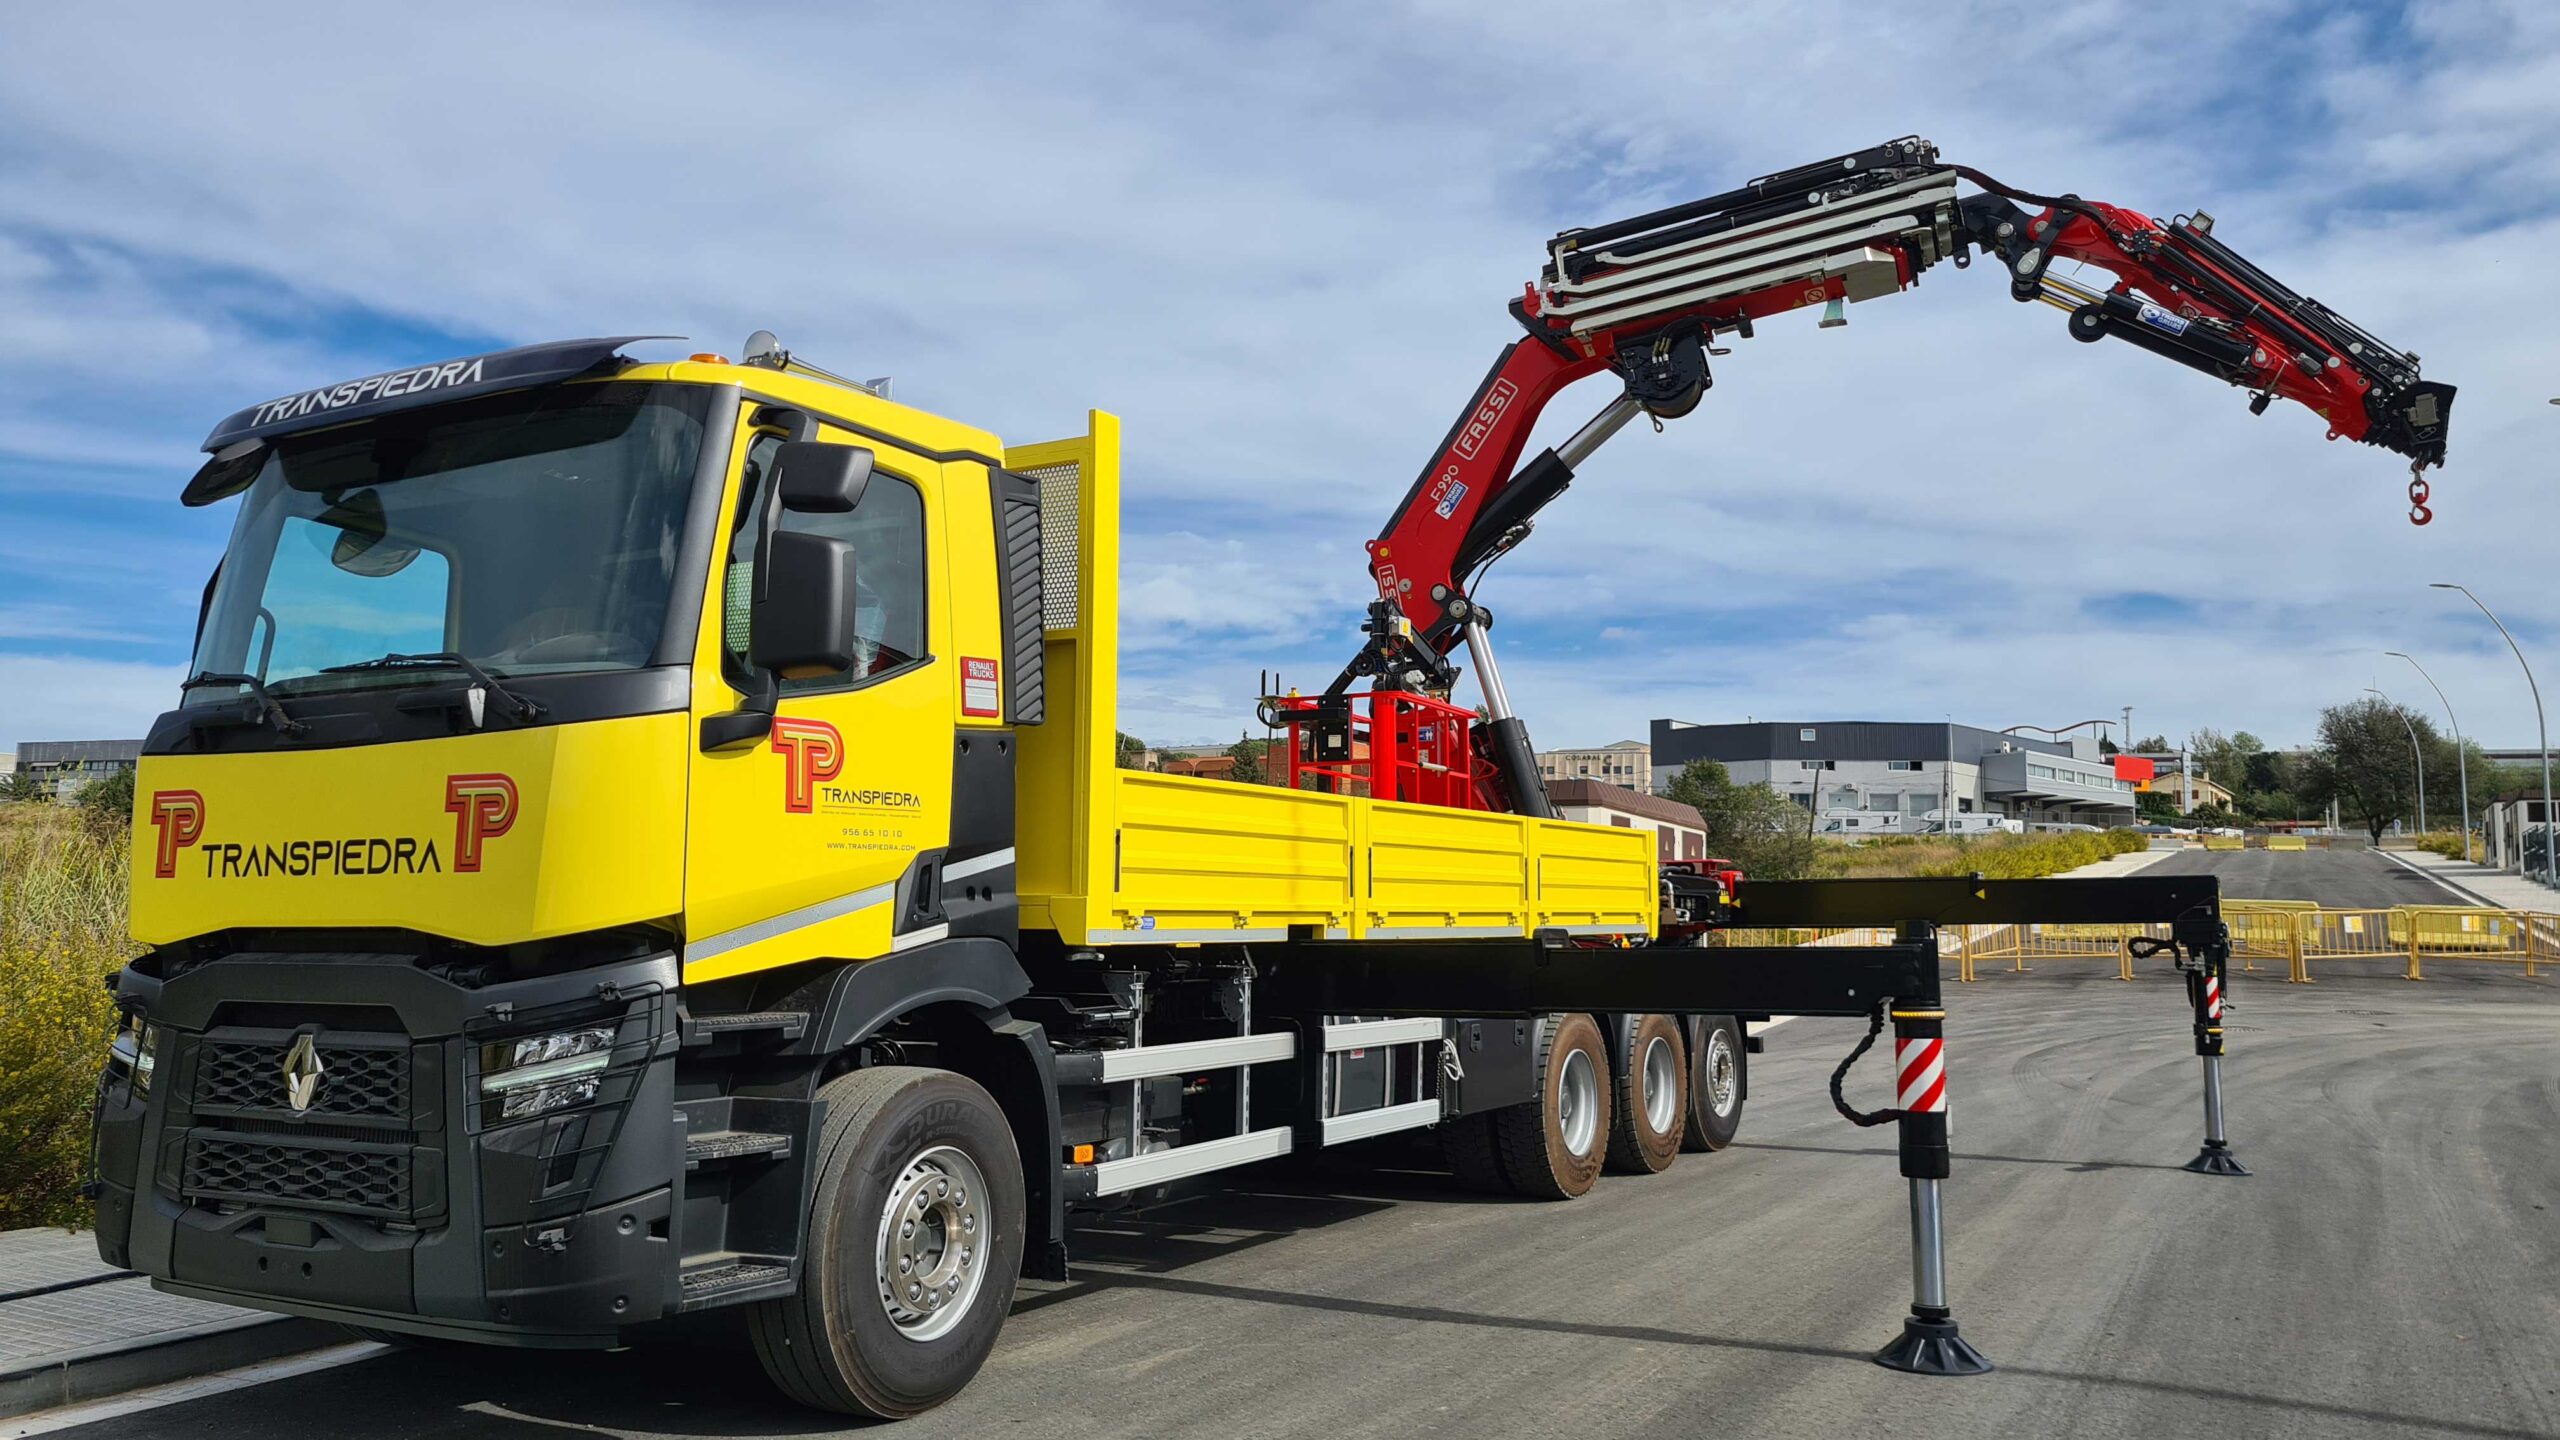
{"x":64,"y":767}
{"x":1628,"y":763}
{"x":1680,"y":832}
{"x":1881,"y":777}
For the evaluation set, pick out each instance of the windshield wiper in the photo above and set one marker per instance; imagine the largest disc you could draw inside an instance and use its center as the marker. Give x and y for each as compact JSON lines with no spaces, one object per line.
{"x":262,"y":709}
{"x":524,"y":710}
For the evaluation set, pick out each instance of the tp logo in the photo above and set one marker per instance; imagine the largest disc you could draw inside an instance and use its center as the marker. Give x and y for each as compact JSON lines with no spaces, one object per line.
{"x":484,"y":808}
{"x":179,"y":817}
{"x":812,"y":750}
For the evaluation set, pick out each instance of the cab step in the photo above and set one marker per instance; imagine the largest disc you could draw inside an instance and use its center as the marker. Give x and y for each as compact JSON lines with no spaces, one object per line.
{"x":714,"y":1146}
{"x":728,"y":1278}
{"x":745,"y":1027}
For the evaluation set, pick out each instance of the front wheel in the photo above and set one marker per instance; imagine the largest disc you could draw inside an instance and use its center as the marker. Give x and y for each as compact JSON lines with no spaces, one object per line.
{"x":1715,"y":1086}
{"x":914,"y":1240}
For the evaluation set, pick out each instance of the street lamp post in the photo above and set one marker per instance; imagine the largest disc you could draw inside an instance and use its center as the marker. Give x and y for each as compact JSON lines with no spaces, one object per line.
{"x":2461,"y":761}
{"x":2542,"y":731}
{"x":2417,"y":757}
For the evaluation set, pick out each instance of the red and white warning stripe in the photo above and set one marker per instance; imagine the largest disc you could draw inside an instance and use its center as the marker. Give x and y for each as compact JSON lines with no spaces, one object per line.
{"x":2213,"y":997}
{"x":1922,"y":1064}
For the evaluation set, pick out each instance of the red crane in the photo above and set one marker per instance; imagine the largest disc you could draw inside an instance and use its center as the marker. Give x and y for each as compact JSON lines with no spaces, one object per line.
{"x":1647,"y":297}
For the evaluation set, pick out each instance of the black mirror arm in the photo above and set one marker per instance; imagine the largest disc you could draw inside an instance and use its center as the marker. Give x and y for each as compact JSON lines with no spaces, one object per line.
{"x":751,"y":722}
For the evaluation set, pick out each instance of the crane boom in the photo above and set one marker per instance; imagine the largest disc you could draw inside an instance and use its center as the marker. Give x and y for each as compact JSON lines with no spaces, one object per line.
{"x":1647,"y":297}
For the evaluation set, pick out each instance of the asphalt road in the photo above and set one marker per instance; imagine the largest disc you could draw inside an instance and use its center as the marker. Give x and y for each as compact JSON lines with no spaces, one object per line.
{"x":2337,"y":879}
{"x":2392,"y":1269}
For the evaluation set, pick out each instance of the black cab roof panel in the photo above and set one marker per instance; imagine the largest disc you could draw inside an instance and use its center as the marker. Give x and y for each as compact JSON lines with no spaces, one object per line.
{"x":371,"y":395}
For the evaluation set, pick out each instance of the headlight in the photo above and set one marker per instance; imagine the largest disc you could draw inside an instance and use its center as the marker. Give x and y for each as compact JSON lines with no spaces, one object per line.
{"x":542,"y":1073}
{"x":135,"y":1051}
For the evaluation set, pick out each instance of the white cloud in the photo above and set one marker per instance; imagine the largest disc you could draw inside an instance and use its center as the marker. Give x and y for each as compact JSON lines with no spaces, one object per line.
{"x":67,"y":697}
{"x":1279,"y":247}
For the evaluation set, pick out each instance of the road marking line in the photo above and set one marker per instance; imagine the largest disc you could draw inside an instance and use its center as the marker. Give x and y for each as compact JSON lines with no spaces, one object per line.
{"x":177,"y":1392}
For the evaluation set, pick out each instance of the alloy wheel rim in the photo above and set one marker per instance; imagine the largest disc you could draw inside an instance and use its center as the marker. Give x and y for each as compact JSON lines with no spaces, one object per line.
{"x":1661,"y":1072}
{"x":930,"y":1259}
{"x":1578,"y":1101}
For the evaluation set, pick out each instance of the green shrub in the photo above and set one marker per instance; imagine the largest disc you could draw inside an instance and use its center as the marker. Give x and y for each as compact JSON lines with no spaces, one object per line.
{"x":106,"y":807}
{"x":2000,"y":857}
{"x":2448,"y":843}
{"x":62,"y":933}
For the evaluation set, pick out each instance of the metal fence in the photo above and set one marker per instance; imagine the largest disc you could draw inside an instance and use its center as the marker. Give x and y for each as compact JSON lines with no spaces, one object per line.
{"x":2294,"y":934}
{"x":2265,"y":934}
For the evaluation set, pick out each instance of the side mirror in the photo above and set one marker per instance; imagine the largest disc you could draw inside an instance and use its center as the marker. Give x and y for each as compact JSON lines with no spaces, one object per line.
{"x":816,"y":478}
{"x":800,"y":623}
{"x":800,"y":608}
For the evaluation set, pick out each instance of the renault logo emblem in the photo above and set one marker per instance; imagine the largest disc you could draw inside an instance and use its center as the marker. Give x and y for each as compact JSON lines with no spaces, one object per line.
{"x":302,"y":1071}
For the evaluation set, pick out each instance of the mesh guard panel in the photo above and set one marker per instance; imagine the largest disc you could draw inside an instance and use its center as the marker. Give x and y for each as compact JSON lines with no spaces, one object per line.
{"x":1059,"y":486}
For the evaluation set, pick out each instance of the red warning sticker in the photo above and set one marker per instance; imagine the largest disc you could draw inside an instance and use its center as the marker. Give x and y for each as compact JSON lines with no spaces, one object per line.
{"x":978,"y":688}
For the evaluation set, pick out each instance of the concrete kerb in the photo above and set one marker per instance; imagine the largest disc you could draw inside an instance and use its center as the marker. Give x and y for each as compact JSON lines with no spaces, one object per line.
{"x":73,"y":1329}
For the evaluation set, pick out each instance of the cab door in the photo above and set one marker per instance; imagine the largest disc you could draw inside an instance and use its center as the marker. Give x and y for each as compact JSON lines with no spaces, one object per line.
{"x":818,"y":840}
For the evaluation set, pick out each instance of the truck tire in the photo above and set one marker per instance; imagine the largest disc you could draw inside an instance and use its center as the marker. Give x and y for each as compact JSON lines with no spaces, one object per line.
{"x":1553,"y":1149}
{"x":1715,"y":1086}
{"x":918,"y":1192}
{"x":1466,"y":1143}
{"x":1651,"y":1106}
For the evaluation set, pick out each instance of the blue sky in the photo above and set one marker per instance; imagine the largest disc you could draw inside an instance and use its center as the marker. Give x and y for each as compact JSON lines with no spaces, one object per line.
{"x":1278,"y":241}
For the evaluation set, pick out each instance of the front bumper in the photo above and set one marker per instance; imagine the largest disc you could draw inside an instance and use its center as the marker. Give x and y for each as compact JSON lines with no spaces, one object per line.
{"x":400,"y":1197}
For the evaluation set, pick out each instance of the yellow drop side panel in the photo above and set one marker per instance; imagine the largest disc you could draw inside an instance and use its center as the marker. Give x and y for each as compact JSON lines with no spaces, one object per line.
{"x":1109,"y":856}
{"x":1433,"y":868}
{"x":1213,"y":860}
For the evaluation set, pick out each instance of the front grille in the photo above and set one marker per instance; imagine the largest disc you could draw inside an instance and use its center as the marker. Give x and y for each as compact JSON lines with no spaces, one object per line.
{"x":358,"y":1179}
{"x":364,"y":1080}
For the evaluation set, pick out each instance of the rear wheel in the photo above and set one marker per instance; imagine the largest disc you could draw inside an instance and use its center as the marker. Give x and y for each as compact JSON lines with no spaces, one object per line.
{"x":914,"y":1240}
{"x":1715,"y":1086}
{"x":1553,"y":1149}
{"x":1652,"y":1100}
{"x":1467,"y":1144}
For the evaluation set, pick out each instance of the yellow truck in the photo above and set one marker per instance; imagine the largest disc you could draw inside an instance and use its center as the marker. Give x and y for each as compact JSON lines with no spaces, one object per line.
{"x":647,"y":837}
{"x":641,"y":837}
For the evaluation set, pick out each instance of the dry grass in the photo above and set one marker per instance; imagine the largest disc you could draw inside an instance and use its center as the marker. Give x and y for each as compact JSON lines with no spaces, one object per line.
{"x":62,"y":933}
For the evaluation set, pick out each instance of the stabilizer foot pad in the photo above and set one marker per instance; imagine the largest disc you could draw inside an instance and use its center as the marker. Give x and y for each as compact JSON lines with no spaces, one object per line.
{"x":1932,"y":1347}
{"x":2215,"y":1159}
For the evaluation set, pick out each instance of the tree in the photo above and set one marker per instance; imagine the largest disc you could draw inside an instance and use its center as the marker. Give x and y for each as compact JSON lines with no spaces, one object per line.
{"x":1132,"y":753}
{"x":2152,"y":745}
{"x":2364,"y":762}
{"x":2157,"y":806}
{"x":2212,"y":816}
{"x":21,"y":785}
{"x":1752,"y":825}
{"x":1249,"y":754}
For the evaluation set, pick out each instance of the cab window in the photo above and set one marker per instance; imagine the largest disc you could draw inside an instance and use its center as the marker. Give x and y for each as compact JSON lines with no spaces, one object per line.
{"x":886,"y":532}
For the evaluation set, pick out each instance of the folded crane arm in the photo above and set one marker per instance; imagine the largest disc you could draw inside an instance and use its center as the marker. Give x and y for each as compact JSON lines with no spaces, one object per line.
{"x":1648,"y":297}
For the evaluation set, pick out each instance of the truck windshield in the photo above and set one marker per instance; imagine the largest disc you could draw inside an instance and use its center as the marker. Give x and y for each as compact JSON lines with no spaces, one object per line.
{"x":534,"y":533}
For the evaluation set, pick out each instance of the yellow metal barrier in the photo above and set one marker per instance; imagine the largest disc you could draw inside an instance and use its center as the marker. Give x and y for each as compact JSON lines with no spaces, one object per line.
{"x":2287,"y":842}
{"x":2226,"y":842}
{"x":2269,"y":930}
{"x":2296,"y":932}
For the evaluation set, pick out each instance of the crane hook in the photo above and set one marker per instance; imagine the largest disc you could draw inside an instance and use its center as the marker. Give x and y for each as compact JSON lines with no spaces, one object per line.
{"x":2419,"y":514}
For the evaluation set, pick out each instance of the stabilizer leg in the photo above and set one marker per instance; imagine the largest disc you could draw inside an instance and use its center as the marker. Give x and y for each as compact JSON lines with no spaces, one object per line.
{"x":2204,"y":991}
{"x":1929,"y":1344}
